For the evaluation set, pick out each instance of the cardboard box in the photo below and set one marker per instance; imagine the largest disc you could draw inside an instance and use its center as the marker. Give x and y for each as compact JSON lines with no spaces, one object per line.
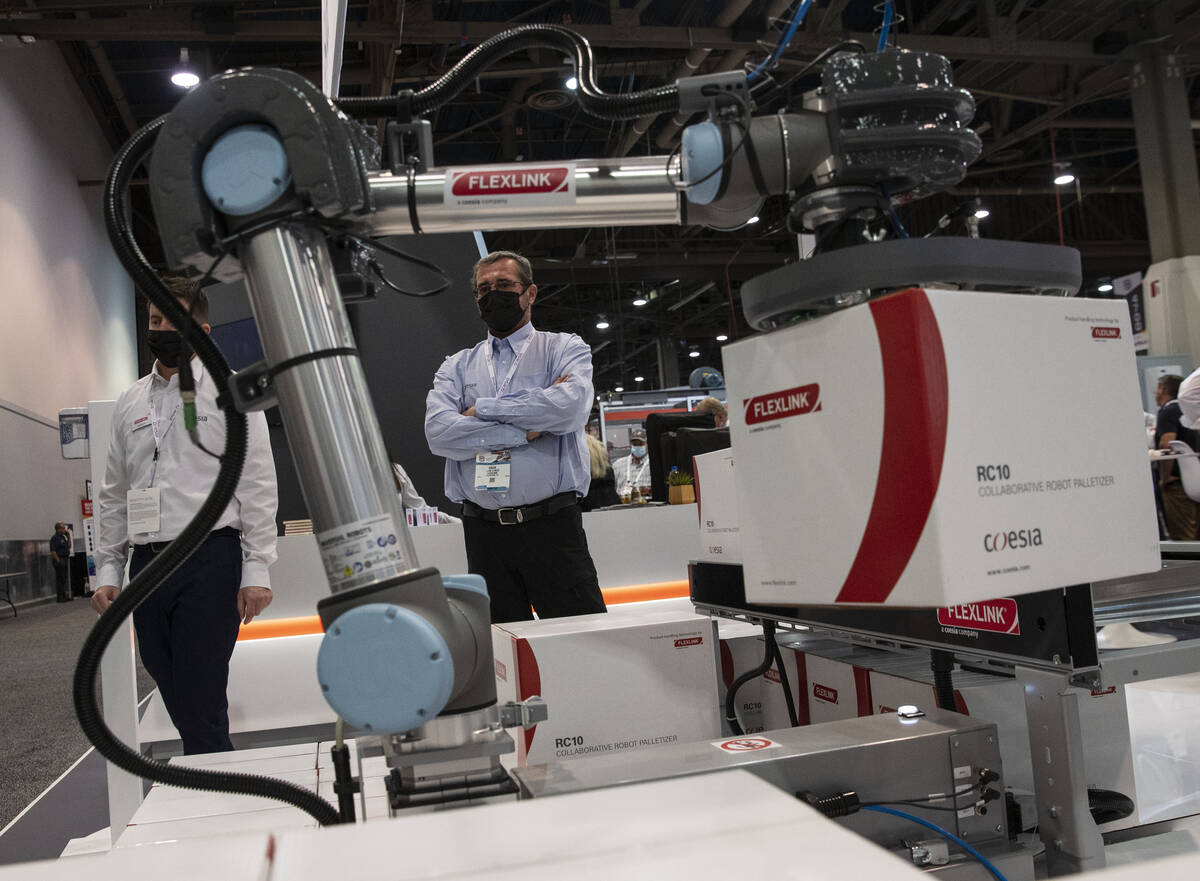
{"x":837,"y":689}
{"x":716,"y":499}
{"x":761,"y":704}
{"x":612,"y":682}
{"x":917,"y":451}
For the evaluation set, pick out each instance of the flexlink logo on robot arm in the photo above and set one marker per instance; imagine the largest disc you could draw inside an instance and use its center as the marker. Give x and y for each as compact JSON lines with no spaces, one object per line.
{"x":487,"y":183}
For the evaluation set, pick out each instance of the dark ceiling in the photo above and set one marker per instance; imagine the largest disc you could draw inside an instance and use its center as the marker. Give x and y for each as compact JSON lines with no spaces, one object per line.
{"x":1051,"y":77}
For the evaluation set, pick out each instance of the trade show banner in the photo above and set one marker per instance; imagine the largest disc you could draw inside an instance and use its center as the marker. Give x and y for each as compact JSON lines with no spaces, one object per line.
{"x":1129,"y":287}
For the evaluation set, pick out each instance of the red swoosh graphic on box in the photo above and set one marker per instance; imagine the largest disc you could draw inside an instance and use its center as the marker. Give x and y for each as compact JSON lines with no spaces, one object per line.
{"x":910,"y":463}
{"x":529,"y":681}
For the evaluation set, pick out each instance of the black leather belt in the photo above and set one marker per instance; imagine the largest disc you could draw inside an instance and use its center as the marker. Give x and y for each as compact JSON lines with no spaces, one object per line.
{"x":521,"y":513}
{"x":157,"y":547}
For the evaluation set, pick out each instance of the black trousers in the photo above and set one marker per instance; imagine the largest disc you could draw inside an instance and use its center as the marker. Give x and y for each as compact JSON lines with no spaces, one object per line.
{"x":544,"y":563}
{"x":61,"y":587}
{"x":186,"y":632}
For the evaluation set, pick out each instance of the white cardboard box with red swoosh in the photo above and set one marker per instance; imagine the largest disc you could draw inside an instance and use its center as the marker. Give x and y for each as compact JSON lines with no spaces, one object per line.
{"x":717,"y":507}
{"x":639,"y":677}
{"x":939,"y":448}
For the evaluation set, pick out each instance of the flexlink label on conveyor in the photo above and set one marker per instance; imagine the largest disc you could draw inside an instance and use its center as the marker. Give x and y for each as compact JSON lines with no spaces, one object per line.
{"x":510,"y":187}
{"x":996,"y":616}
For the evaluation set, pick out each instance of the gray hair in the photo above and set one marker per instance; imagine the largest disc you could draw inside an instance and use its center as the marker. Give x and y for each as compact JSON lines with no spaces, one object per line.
{"x":523,"y":268}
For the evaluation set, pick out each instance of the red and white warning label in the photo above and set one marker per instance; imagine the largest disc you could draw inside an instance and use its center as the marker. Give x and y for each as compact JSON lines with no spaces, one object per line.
{"x":744,"y":744}
{"x":510,"y":186}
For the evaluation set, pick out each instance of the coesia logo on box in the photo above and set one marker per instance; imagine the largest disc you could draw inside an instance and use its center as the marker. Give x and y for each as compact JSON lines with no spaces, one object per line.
{"x":779,"y":405}
{"x":825,"y":693}
{"x":1013,"y":539}
{"x":997,"y":616}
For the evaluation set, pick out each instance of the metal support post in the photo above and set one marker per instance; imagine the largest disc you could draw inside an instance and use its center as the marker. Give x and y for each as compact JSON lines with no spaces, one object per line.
{"x":1166,"y":153}
{"x":1073,"y":842}
{"x":331,"y":425}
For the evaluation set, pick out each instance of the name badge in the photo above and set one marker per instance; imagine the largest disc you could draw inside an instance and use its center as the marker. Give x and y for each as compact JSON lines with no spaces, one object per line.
{"x":140,"y":422}
{"x":144,"y":510}
{"x":492,"y":471}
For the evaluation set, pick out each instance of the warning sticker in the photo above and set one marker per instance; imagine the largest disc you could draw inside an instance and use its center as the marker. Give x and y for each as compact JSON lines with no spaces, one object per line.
{"x":744,"y":744}
{"x":362,"y":552}
{"x":510,"y":186}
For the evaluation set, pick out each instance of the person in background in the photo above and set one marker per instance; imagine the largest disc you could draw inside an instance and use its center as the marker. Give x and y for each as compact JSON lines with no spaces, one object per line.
{"x":1189,"y":401}
{"x":632,"y":472}
{"x":1179,"y":511}
{"x":410,"y":498}
{"x":603,"y":491}
{"x":508,"y":415}
{"x":60,"y":553}
{"x":155,"y":480}
{"x":716,"y":408}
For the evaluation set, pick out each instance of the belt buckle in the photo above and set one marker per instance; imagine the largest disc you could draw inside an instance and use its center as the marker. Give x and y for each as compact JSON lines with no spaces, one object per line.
{"x":517,"y":514}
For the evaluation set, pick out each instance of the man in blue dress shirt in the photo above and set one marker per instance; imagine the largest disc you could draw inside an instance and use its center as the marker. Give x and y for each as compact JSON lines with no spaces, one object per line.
{"x":508,"y":415}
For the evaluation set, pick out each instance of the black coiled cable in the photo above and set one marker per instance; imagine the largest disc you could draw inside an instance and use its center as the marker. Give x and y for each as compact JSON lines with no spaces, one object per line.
{"x":786,"y":685}
{"x":731,"y":695}
{"x":592,"y":99}
{"x":87,"y":709}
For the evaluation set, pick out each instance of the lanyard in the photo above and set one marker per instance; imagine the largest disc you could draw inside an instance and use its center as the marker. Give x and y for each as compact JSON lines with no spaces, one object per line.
{"x":159,"y":437}
{"x":488,"y":356}
{"x":631,"y":475}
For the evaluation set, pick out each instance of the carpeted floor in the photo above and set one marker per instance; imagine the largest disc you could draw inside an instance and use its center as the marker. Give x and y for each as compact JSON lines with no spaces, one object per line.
{"x":39,"y":737}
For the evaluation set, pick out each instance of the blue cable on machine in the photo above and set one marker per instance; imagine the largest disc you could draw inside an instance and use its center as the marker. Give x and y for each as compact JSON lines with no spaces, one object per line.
{"x":949,"y":836}
{"x":886,"y":27}
{"x":792,"y":27}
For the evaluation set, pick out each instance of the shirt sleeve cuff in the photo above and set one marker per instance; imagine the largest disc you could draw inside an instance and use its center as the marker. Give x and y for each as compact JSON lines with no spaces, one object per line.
{"x":255,"y":574}
{"x":110,"y":574}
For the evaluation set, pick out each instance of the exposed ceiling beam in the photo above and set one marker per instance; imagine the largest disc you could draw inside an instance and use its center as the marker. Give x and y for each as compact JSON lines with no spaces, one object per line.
{"x":91,"y":95}
{"x":170,"y":26}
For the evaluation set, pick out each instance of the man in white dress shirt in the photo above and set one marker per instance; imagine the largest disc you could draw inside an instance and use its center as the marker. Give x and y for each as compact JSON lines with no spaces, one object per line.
{"x":155,"y":481}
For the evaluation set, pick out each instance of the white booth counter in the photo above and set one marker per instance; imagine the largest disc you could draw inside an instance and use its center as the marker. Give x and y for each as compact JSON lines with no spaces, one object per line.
{"x":643,"y":545}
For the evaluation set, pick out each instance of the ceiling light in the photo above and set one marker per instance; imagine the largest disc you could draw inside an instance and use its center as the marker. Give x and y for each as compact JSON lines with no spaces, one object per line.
{"x":640,"y":301}
{"x":981,"y":213}
{"x":1063,"y":178}
{"x":694,"y":353}
{"x":619,"y":388}
{"x":183,"y":76}
{"x":572,"y":83}
{"x":602,"y":323}
{"x":1105,"y":288}
{"x":753,"y":219}
{"x":639,"y":379}
{"x":721,"y":337}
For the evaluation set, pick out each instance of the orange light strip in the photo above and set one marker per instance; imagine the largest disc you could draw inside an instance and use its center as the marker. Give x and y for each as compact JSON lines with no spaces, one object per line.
{"x":309,"y":624}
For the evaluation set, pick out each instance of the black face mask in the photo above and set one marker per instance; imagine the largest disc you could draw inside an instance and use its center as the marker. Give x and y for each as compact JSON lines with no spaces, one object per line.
{"x":501,"y":310}
{"x":166,"y":346}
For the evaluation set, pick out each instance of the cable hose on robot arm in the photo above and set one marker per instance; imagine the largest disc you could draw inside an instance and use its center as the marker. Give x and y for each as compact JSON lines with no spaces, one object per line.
{"x":731,"y":695}
{"x":87,"y":709}
{"x":592,"y":99}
